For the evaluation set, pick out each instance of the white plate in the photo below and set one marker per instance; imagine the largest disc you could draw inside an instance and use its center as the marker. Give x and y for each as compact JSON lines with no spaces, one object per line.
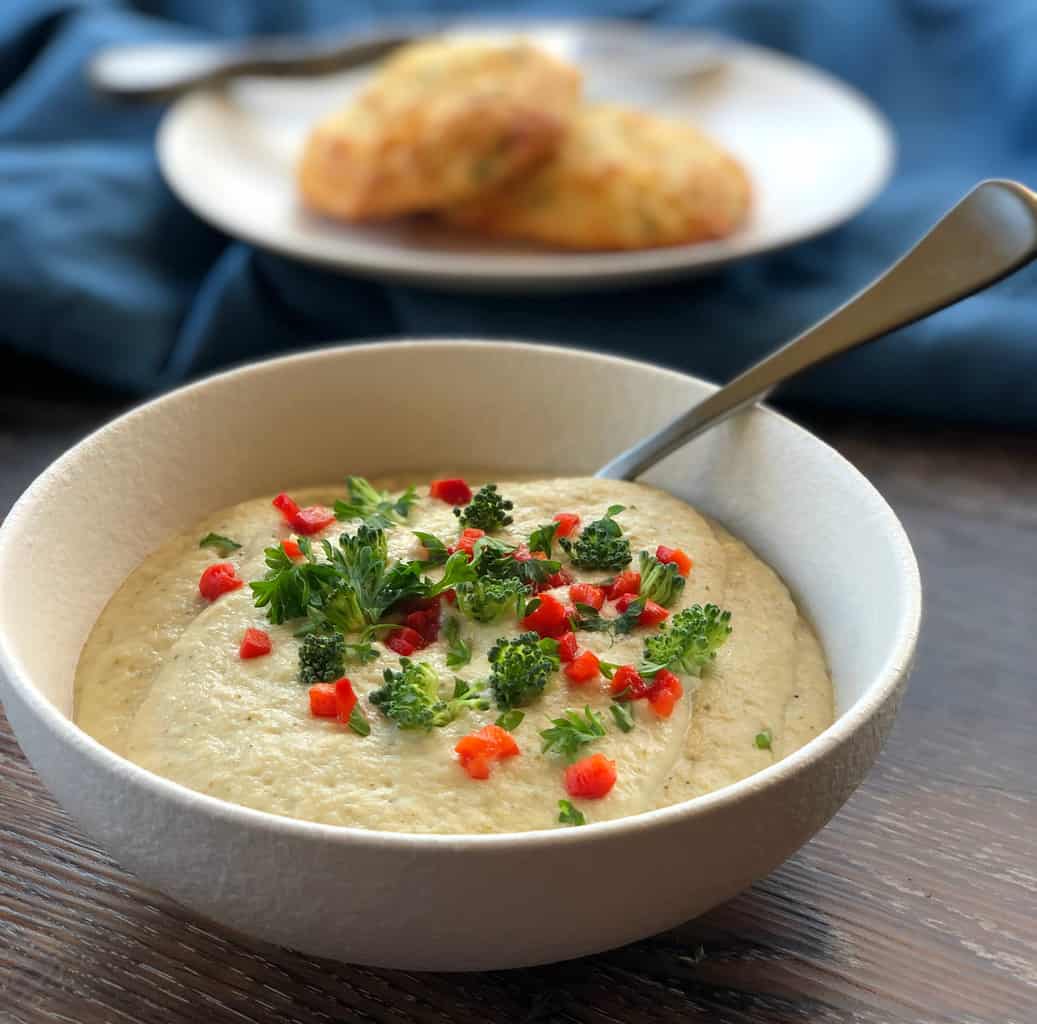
{"x":815,"y":149}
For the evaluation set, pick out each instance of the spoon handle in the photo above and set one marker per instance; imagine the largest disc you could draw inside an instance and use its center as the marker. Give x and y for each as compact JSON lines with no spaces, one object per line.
{"x":988,"y":235}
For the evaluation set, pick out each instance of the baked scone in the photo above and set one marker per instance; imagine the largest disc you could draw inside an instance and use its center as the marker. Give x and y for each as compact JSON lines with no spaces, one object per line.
{"x":623,"y":179}
{"x":441,"y":122}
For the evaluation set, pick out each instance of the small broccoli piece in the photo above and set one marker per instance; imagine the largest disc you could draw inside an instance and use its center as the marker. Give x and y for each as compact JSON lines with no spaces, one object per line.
{"x":489,"y":599}
{"x":690,"y":642}
{"x":520,"y":667}
{"x":411,"y":698}
{"x":321,"y":658}
{"x":601,"y":545}
{"x":486,"y":511}
{"x":661,"y":582}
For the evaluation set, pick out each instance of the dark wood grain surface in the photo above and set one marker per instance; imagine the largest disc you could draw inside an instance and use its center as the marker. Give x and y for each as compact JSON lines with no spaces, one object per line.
{"x":918,"y":903}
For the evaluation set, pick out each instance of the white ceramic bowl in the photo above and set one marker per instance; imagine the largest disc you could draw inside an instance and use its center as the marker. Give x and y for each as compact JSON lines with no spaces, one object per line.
{"x":446,"y":902}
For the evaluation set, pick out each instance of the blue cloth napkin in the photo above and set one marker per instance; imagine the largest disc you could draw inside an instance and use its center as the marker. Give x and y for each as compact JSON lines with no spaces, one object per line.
{"x":103,"y":272}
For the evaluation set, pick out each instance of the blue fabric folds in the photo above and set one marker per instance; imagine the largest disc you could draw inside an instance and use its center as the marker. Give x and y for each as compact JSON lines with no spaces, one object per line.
{"x":103,"y":272}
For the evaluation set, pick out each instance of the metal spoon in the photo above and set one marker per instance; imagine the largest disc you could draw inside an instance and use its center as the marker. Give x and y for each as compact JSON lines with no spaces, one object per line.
{"x":988,"y":235}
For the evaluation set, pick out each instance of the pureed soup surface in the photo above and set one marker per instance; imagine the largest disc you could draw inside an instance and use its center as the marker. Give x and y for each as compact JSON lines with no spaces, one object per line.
{"x":162,"y":680}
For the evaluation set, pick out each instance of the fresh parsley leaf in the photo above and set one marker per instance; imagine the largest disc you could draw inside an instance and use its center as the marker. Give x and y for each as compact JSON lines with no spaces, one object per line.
{"x":222,"y":545}
{"x":288,"y":588}
{"x":763,"y":740}
{"x":591,"y":620}
{"x":569,"y":815}
{"x":493,"y":559}
{"x":542,"y":538}
{"x":458,"y":652}
{"x":572,"y":731}
{"x":623,"y":717}
{"x":511,"y":720}
{"x":437,"y":550}
{"x":378,"y":509}
{"x":358,"y":722}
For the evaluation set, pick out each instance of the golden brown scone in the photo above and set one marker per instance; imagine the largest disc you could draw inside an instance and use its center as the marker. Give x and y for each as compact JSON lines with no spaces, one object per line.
{"x":623,"y":179}
{"x":442,"y":121}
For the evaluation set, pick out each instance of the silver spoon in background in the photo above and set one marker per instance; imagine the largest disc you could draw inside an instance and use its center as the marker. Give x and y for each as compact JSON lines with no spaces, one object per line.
{"x":988,"y":235}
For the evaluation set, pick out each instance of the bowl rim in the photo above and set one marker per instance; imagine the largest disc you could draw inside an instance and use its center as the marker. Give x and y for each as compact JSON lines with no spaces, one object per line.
{"x":894,"y":669}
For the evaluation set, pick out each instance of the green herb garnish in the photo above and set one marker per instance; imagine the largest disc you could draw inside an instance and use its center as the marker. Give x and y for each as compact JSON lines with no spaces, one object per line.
{"x":689,"y":642}
{"x":601,"y":545}
{"x":437,"y":550}
{"x":222,"y":545}
{"x":763,"y":740}
{"x":542,"y":538}
{"x":458,"y":652}
{"x":378,"y":509}
{"x":591,"y":620}
{"x":520,"y":668}
{"x":570,"y":733}
{"x":486,"y":511}
{"x":569,"y":815}
{"x":358,"y":722}
{"x":510,"y":720}
{"x":623,"y":717}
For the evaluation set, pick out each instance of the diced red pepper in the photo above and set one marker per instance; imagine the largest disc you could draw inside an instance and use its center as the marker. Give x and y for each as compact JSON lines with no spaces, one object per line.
{"x":466,"y":542}
{"x":624,"y":602}
{"x":583,"y":668}
{"x":454,"y":491}
{"x":304,"y":520}
{"x":291,"y":548}
{"x":323,"y":702}
{"x":405,"y":641}
{"x":652,"y":614}
{"x":218,"y":578}
{"x":675,"y":555}
{"x":567,"y":647}
{"x":346,"y":698}
{"x":425,"y":621}
{"x":255,"y":644}
{"x":523,"y":554}
{"x":479,"y":749}
{"x":562,"y":578}
{"x":627,"y":684}
{"x":567,"y":522}
{"x":450,"y":596}
{"x":587,"y":593}
{"x":591,"y":778}
{"x":665,"y":692}
{"x":627,"y":582}
{"x":550,"y":618}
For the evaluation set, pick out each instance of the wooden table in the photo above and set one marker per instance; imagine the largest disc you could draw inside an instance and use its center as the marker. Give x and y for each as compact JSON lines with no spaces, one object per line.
{"x":917,"y":903}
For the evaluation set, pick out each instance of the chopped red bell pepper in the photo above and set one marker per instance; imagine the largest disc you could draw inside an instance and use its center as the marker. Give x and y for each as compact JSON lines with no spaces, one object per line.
{"x":255,"y":644}
{"x":627,"y":684}
{"x":587,"y":593}
{"x":405,"y":641}
{"x":567,"y":647}
{"x":679,"y":558}
{"x":562,"y":578}
{"x":346,"y":699}
{"x":583,"y":668}
{"x":479,"y":749}
{"x":591,"y":778}
{"x":454,"y":491}
{"x":323,"y":702}
{"x":567,"y":522}
{"x":550,"y":618}
{"x":466,"y":542}
{"x":291,"y":548}
{"x":665,"y":692}
{"x":627,"y":582}
{"x":217,"y":579}
{"x":425,"y":621}
{"x":652,"y":614}
{"x":624,"y":602}
{"x":304,"y":520}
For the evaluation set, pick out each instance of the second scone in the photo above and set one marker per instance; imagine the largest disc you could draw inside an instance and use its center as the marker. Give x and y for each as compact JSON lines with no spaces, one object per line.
{"x":443,"y":121}
{"x":623,"y":179}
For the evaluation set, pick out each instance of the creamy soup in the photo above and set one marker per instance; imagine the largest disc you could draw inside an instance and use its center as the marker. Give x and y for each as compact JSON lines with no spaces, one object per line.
{"x":169,"y":679}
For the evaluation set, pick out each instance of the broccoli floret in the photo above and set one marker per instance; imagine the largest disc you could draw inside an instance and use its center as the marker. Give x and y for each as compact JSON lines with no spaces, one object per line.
{"x":411,"y":699}
{"x":486,"y":511}
{"x":601,"y":545}
{"x":487,"y":599}
{"x":661,"y":582}
{"x":520,"y":668}
{"x":692,"y":640}
{"x":321,"y":657}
